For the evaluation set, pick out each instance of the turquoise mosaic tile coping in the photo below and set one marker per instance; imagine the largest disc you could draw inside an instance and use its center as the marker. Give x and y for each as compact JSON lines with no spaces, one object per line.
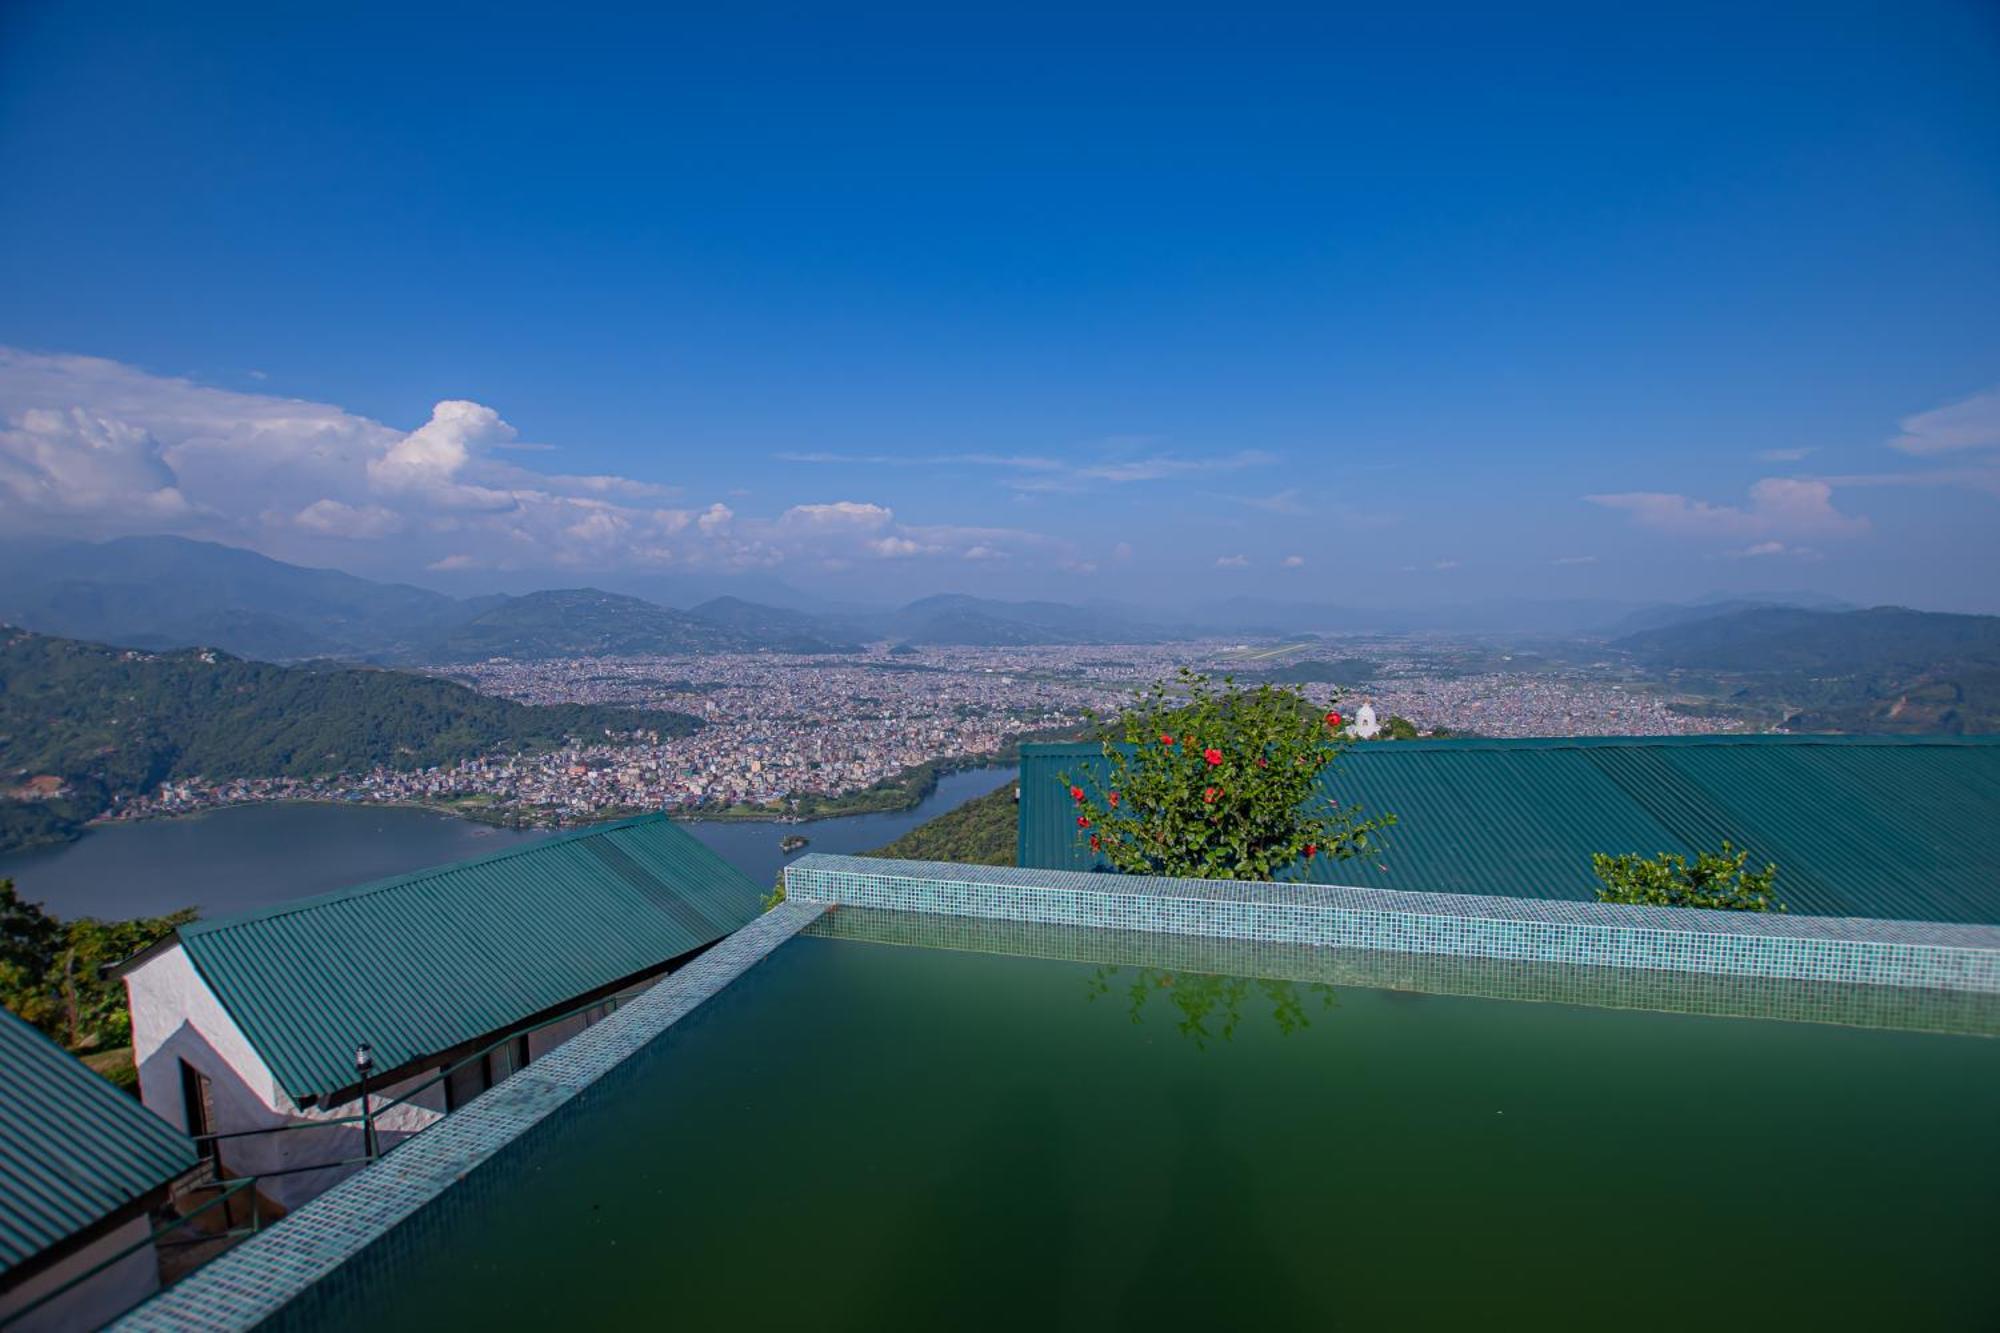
{"x":256,"y":1281}
{"x":1846,"y":951}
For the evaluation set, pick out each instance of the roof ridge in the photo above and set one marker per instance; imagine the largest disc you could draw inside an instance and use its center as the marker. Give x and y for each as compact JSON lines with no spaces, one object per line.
{"x":210,"y":925}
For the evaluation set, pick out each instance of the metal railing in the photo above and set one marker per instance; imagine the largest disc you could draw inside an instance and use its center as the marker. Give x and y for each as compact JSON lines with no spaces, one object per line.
{"x":156,"y":1239}
{"x":229,"y":1187}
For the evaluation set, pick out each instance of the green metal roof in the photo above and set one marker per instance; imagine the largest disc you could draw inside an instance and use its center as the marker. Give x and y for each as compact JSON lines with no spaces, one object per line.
{"x":73,"y":1148}
{"x":421,"y":963}
{"x":1899,"y":828}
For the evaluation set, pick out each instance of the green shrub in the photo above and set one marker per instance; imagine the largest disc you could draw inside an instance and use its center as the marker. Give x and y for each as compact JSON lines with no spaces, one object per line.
{"x":1720,"y":882}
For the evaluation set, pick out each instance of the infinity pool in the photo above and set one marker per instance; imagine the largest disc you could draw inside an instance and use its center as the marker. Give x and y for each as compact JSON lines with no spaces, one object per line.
{"x":864,"y":1135}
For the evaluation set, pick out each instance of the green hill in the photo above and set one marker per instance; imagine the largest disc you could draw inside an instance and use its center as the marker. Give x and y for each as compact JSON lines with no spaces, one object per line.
{"x":980,"y":833}
{"x":1887,"y":669}
{"x":580,"y":622}
{"x":107,"y":722}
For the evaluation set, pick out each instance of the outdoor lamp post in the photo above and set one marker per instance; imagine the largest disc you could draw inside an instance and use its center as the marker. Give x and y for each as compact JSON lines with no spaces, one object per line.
{"x":364,"y":1064}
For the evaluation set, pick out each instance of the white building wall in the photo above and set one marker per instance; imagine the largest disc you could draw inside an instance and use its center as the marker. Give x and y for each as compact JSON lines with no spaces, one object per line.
{"x":94,"y":1303}
{"x":176,"y":1017}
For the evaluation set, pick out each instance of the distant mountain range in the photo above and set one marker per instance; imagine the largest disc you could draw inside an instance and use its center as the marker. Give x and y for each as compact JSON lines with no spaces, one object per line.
{"x":169,"y":592}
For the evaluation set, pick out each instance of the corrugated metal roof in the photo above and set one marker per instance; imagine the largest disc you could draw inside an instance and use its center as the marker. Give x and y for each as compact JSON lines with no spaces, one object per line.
{"x":1899,"y":828}
{"x":423,"y":962}
{"x":73,"y":1148}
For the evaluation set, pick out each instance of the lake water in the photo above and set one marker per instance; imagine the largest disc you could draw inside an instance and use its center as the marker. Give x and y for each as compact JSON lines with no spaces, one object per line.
{"x":254,"y":855}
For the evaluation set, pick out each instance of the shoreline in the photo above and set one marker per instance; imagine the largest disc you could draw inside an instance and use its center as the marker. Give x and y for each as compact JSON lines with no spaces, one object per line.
{"x":695,"y":815}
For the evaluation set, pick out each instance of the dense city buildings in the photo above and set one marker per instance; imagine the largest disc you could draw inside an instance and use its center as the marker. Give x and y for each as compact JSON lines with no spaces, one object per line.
{"x":780,"y":730}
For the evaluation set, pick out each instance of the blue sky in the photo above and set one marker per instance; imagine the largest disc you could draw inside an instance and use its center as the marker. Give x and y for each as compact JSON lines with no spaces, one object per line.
{"x":1504,"y":301}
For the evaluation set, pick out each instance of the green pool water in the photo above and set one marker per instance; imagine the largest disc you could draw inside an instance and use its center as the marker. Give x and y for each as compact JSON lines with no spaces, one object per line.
{"x":862,"y":1135}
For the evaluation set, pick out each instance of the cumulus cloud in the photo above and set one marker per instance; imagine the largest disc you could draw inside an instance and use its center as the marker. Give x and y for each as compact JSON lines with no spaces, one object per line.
{"x":75,"y":464}
{"x":1294,"y":562}
{"x":1778,"y":507}
{"x":1970,"y":423}
{"x":97,"y":448}
{"x":334,"y":518}
{"x":1232,"y":562}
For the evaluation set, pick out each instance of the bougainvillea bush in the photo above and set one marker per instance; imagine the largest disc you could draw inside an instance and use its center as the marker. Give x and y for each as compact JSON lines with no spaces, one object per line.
{"x":1202,"y":781}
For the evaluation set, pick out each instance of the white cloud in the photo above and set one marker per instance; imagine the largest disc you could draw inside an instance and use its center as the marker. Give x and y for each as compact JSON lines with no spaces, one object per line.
{"x":1764,"y":548}
{"x":1778,"y":507}
{"x":1040,"y":473}
{"x":96,"y":448}
{"x":1575,"y":560}
{"x":334,"y":518}
{"x":1781,"y":455}
{"x":1294,"y":562}
{"x":1443,"y":565}
{"x":1970,"y":423}
{"x":848,"y":515}
{"x":1232,"y":562}
{"x":74,"y":464}
{"x":1284,"y":502}
{"x":1978,"y":475}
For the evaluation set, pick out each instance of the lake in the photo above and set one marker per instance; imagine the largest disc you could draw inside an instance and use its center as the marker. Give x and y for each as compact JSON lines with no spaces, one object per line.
{"x":253,"y":856}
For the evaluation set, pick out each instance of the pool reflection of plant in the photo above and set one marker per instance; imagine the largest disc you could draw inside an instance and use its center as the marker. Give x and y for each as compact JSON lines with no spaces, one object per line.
{"x":1202,"y":997}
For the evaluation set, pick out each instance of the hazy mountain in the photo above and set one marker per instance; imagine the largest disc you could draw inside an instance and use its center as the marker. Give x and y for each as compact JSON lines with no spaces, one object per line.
{"x":1885,"y":669}
{"x":776,"y":628}
{"x":580,"y":622}
{"x":168,"y":592}
{"x":955,"y":618}
{"x":1886,"y":638}
{"x":1708,"y":608}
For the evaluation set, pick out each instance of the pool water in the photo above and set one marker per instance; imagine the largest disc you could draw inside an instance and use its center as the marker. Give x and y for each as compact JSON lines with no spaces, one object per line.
{"x":862,"y":1135}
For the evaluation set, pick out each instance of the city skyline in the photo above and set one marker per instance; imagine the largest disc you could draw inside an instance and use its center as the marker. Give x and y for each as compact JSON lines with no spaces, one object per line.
{"x":1305,"y":307}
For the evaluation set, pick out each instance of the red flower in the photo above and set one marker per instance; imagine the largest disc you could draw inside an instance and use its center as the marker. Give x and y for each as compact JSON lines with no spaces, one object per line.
{"x":1311,"y":847}
{"x":1096,"y":843}
{"x":1263,"y":762}
{"x":1208,"y":794}
{"x":1113,"y":799}
{"x":1213,"y":755}
{"x":1076,"y":794}
{"x":1166,"y":739}
{"x":1333,"y":719}
{"x":1083,"y":821}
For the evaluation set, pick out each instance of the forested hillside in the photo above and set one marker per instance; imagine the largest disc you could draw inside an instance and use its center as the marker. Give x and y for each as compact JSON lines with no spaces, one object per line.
{"x":1887,"y":669}
{"x":981,"y":832}
{"x":103,"y":722}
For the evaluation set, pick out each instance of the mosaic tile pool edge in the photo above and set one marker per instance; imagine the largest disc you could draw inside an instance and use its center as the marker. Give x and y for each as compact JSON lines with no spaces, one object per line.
{"x":257,"y":1280}
{"x":1959,"y":1013}
{"x":1841,"y":950}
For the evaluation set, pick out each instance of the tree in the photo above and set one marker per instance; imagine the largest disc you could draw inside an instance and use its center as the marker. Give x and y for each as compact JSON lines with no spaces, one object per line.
{"x":1719,"y":882}
{"x":1208,"y":783}
{"x":52,"y":972}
